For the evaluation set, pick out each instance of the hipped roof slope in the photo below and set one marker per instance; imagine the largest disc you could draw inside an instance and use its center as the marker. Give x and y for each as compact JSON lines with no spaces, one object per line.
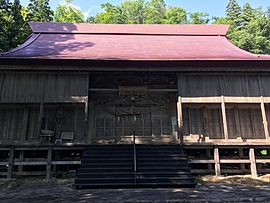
{"x":130,"y":42}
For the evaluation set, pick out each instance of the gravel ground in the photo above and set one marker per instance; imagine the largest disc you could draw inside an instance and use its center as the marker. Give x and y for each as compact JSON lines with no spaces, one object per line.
{"x":37,"y":190}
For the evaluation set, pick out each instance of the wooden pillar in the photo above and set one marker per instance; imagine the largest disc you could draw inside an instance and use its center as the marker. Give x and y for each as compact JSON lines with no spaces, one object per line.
{"x":252,"y":158}
{"x":40,"y":117}
{"x":208,"y":152}
{"x":49,"y":164}
{"x":21,"y":159}
{"x":86,"y":117}
{"x":224,"y":118}
{"x":180,"y":119}
{"x":86,"y":111}
{"x":217,"y":162}
{"x":24,"y":124}
{"x":264,"y":118}
{"x":241,"y":155}
{"x":10,"y":162}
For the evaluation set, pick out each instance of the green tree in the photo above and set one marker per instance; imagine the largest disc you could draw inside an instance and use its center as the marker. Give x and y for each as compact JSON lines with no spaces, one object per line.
{"x":67,"y":12}
{"x":5,"y":21}
{"x":134,"y":10}
{"x":39,"y":10}
{"x":18,"y":29}
{"x":255,"y":37}
{"x":233,"y":12}
{"x":155,"y":12}
{"x":175,"y":15}
{"x":111,"y":15}
{"x":247,"y":15}
{"x":199,"y":18}
{"x":249,"y":27}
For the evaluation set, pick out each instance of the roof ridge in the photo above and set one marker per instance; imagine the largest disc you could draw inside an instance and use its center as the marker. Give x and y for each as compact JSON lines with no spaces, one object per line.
{"x":135,"y":29}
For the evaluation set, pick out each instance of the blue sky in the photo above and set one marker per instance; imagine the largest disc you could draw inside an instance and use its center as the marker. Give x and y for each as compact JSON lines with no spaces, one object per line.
{"x":213,"y":7}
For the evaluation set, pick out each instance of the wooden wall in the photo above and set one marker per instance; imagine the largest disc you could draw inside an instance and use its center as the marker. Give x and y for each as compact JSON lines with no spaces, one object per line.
{"x":47,"y":87}
{"x":206,"y":121}
{"x":243,"y":120}
{"x":19,"y":124}
{"x":205,"y":85}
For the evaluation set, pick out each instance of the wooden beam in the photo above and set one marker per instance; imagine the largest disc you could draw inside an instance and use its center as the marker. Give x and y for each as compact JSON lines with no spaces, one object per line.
{"x":10,"y":162}
{"x":235,"y":161}
{"x":217,"y":162}
{"x":227,"y":99}
{"x":224,"y":118}
{"x":202,"y":161}
{"x":117,"y":90}
{"x":49,"y":164}
{"x":180,"y":119}
{"x":253,"y":166}
{"x":264,"y":118}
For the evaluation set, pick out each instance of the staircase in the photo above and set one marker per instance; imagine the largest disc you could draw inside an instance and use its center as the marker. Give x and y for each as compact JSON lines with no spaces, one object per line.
{"x":163,"y":166}
{"x":108,"y":166}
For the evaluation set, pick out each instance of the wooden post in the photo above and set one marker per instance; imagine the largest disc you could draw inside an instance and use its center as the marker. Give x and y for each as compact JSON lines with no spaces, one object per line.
{"x":217,"y":162}
{"x":49,"y":164}
{"x":10,"y":162}
{"x":40,"y":117}
{"x":208,"y":152}
{"x":24,"y":124}
{"x":237,"y":124}
{"x":264,"y":118}
{"x":241,"y":155}
{"x":180,"y":119}
{"x":253,"y":167}
{"x":21,"y":159}
{"x":224,"y":118}
{"x":86,"y":111}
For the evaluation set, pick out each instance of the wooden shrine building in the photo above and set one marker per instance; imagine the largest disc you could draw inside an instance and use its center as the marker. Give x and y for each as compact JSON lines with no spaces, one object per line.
{"x":70,"y":86}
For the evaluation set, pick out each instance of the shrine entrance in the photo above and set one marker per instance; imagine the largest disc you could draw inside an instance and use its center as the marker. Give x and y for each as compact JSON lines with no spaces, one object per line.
{"x":132,"y":112}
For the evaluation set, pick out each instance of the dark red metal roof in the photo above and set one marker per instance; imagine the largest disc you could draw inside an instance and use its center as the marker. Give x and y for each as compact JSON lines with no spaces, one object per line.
{"x":130,"y":42}
{"x":135,"y":29}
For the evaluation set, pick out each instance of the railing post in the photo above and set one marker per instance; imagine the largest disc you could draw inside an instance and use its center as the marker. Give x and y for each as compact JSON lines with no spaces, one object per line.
{"x":180,"y":119}
{"x":264,"y":118}
{"x":10,"y":162}
{"x":135,"y":159}
{"x":21,"y":159}
{"x":253,"y":166}
{"x":217,"y":162}
{"x":49,"y":164}
{"x":224,"y":118}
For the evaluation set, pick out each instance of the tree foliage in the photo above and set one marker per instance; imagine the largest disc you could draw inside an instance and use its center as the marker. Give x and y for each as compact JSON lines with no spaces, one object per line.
{"x":199,"y":18}
{"x":67,"y":12}
{"x":14,"y":29}
{"x":39,"y":10}
{"x":140,"y":12}
{"x":249,"y":27}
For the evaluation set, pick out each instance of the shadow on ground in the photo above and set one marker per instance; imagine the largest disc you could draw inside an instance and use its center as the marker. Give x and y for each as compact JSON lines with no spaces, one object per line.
{"x":209,"y":189}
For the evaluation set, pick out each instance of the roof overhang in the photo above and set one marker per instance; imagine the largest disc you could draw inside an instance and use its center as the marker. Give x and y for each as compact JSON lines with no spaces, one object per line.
{"x":35,"y":64}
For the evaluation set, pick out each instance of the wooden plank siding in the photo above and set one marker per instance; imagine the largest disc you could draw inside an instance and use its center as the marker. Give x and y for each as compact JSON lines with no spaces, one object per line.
{"x":21,"y":95}
{"x":244,"y":100}
{"x":19,"y":123}
{"x":228,"y":85}
{"x":46,"y":87}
